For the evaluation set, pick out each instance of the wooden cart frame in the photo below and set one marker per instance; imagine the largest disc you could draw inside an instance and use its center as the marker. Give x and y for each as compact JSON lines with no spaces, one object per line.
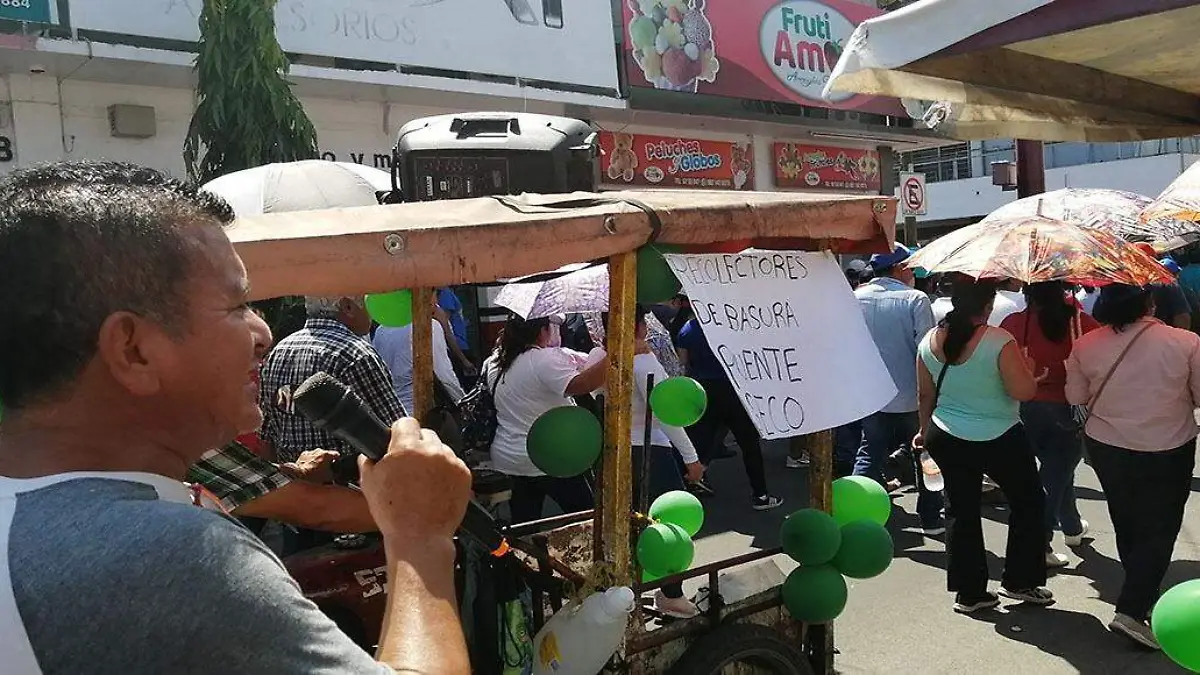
{"x":426,"y":245}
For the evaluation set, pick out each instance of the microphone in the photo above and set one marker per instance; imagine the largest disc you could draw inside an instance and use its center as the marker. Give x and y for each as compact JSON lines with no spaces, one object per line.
{"x":334,"y":407}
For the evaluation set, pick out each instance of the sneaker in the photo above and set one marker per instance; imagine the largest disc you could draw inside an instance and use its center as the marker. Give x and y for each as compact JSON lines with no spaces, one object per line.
{"x":1034,"y":596}
{"x":800,"y":462}
{"x":1135,"y":630}
{"x":701,"y":488}
{"x":766,"y":502}
{"x":1076,"y":540}
{"x":967,"y":605}
{"x":1056,"y":560}
{"x":679,"y":608}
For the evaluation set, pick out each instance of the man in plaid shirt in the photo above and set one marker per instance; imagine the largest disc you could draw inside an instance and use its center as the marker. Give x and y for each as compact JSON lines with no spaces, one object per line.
{"x":331,"y":341}
{"x":247,"y":485}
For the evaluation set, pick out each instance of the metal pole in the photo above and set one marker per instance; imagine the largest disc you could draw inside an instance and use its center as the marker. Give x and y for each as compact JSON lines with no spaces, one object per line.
{"x":910,"y":224}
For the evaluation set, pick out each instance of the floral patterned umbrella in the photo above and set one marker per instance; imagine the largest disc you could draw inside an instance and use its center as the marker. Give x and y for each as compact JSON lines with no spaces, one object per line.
{"x":1114,"y":211}
{"x":1036,"y":248}
{"x":1180,"y":201}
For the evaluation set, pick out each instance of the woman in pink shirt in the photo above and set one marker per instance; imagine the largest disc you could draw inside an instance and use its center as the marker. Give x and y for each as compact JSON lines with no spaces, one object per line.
{"x":1141,"y":380}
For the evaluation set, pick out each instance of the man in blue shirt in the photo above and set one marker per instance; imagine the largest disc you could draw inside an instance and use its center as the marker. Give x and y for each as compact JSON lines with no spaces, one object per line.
{"x":457,"y":339}
{"x":898,"y":317}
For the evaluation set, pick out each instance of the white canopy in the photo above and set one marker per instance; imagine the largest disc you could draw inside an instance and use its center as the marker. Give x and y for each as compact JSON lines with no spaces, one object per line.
{"x":1084,"y":70}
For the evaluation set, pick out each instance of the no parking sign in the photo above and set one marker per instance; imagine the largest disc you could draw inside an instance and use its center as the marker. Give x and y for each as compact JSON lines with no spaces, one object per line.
{"x":913,"y":200}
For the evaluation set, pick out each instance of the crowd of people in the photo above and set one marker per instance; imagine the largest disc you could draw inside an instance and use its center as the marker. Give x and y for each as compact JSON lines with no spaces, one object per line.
{"x":131,"y":365}
{"x":1008,"y":386}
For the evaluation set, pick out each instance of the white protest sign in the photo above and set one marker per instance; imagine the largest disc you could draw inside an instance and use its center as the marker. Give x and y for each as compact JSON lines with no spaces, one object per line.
{"x":790,"y":334}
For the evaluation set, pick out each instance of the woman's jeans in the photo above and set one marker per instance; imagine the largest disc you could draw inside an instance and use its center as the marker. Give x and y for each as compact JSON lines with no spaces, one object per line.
{"x":663,"y":474}
{"x":1146,"y":494}
{"x":1054,"y":435}
{"x":1009,"y":461}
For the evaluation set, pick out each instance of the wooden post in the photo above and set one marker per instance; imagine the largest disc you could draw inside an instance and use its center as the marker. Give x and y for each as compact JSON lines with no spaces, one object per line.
{"x":820,"y":496}
{"x":616,"y":498}
{"x":422,"y":344}
{"x":1031,"y":169}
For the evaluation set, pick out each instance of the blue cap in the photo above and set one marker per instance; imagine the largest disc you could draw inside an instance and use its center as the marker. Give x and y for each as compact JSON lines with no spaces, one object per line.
{"x":1172,"y":266}
{"x":883,"y":261}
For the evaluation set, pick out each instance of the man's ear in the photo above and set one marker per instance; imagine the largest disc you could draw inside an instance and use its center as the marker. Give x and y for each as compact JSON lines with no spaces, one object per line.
{"x":132,"y":349}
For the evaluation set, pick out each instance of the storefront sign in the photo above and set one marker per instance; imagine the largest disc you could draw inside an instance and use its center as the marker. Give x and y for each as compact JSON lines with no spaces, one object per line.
{"x":791,"y":336}
{"x":825,"y":168}
{"x":669,"y":161}
{"x":31,"y":11}
{"x":538,"y":41}
{"x":757,"y":49}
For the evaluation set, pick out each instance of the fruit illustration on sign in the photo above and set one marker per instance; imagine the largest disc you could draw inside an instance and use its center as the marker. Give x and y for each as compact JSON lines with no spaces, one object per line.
{"x":801,"y":42}
{"x":624,"y":161}
{"x":673,"y":43}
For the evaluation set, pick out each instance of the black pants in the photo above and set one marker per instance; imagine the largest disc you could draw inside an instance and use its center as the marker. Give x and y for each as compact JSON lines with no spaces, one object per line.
{"x":1146,"y":493}
{"x":662,"y":476}
{"x":529,"y":495}
{"x":725,"y":410}
{"x":1009,"y":461}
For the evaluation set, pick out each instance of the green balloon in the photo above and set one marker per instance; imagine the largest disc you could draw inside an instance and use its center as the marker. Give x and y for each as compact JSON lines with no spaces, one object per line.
{"x":860,"y":498}
{"x":656,"y":282}
{"x":664,"y":549}
{"x":678,"y":401}
{"x":866,"y":550}
{"x":564,"y":441}
{"x":810,"y":537}
{"x":815,"y":594}
{"x":392,"y":309}
{"x":679,"y":507}
{"x":1176,"y":624}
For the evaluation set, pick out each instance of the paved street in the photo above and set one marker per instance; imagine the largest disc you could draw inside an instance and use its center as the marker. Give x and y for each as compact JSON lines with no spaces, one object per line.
{"x":901,"y":622}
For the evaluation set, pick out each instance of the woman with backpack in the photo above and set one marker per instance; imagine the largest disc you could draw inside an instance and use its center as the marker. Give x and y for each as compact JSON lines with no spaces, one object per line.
{"x":970,"y":380}
{"x":1047,"y":330}
{"x":529,"y":374}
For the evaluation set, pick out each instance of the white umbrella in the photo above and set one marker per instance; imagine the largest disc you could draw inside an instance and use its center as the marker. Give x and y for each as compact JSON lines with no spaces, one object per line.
{"x":581,"y":289}
{"x":307,"y":185}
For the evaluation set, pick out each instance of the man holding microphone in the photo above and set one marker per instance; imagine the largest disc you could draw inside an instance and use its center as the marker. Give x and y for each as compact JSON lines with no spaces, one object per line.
{"x":127,"y":350}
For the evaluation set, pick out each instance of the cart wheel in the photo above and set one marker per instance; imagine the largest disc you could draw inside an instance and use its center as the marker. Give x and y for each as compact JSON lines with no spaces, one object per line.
{"x":742,"y":646}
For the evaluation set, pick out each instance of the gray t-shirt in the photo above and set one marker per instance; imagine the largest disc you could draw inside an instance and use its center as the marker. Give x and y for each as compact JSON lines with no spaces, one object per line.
{"x":120,"y":573}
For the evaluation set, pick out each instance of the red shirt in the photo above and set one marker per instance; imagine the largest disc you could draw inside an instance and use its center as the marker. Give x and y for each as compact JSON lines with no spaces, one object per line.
{"x":1048,"y":355}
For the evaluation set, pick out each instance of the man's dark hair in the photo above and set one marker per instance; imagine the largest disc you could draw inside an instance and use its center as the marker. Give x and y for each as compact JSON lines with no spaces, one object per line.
{"x":78,"y":242}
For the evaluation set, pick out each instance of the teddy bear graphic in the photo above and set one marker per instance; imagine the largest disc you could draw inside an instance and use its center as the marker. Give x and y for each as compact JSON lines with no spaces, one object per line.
{"x":624,"y":160}
{"x":739,"y":164}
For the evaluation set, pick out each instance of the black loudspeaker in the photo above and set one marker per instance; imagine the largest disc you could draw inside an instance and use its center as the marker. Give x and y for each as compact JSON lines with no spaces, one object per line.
{"x":482,"y":154}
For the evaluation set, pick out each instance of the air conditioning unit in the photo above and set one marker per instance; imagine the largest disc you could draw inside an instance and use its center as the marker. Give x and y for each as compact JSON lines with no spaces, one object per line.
{"x":131,"y":121}
{"x":1004,"y":174}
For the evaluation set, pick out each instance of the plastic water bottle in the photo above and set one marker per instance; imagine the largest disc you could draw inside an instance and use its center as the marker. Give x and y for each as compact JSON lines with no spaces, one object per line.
{"x":581,"y":637}
{"x":931,"y":475}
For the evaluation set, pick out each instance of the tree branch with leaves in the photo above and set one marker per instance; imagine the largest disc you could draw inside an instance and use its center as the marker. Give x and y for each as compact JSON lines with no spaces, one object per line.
{"x":246,"y":112}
